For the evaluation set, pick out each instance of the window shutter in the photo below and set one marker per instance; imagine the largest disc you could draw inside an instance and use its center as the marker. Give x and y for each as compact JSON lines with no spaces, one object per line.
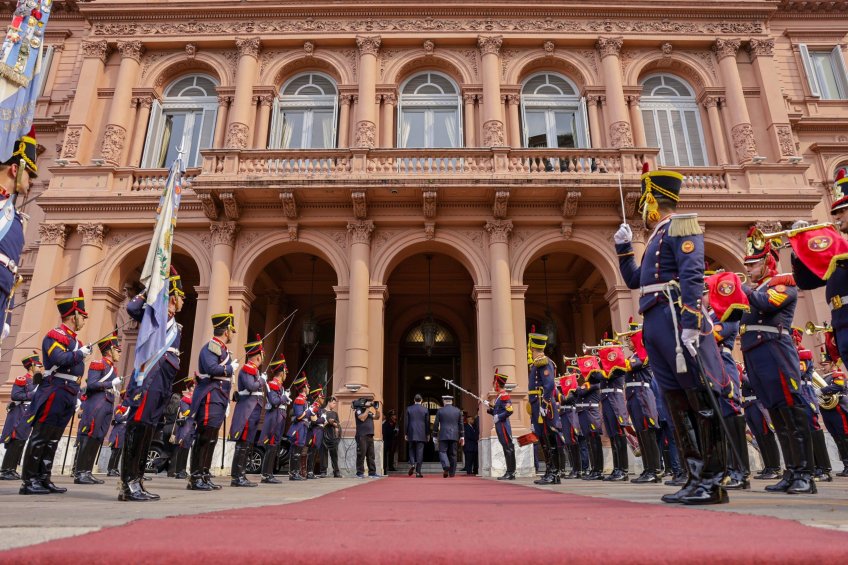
{"x":679,"y":136}
{"x":650,"y":128}
{"x":693,"y":132}
{"x":812,"y":81}
{"x":840,"y":70}
{"x":153,"y":139}
{"x":584,"y":115}
{"x":44,"y":71}
{"x":276,"y":125}
{"x":666,"y":144}
{"x":207,"y":128}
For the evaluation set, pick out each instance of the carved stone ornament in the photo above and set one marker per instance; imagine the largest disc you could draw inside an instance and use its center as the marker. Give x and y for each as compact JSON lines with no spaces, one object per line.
{"x":210,"y":208}
{"x":761,"y":47}
{"x":513,"y":99}
{"x":493,"y":134}
{"x":666,"y":49}
{"x":71,"y":143}
{"x":231,"y":207}
{"x":566,"y":229}
{"x":640,"y":233}
{"x":620,"y":135}
{"x":569,"y":207}
{"x":631,"y":201}
{"x":430,"y":230}
{"x":223,"y":233}
{"x":360,"y":232}
{"x":237,"y":136}
{"x":468,"y":98}
{"x":360,"y":208}
{"x":726,"y":47}
{"x":368,"y":44}
{"x":191,"y":50}
{"x":248,"y":46}
{"x":429,"y":47}
{"x":289,"y":204}
{"x":92,"y":234}
{"x":501,"y":201}
{"x":549,"y":47}
{"x":710,"y":102}
{"x":366,"y":134}
{"x":429,"y":197}
{"x":292,"y":228}
{"x":390,"y":98}
{"x":768,"y":226}
{"x":52,"y":234}
{"x":489,"y":44}
{"x":609,"y":46}
{"x":499,"y":230}
{"x":133,"y":49}
{"x":308,"y":48}
{"x":786,"y":140}
{"x":743,"y":142}
{"x":95,"y":48}
{"x":113,"y":143}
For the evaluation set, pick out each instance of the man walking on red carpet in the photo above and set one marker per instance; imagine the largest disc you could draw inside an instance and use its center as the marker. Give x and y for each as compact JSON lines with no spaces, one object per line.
{"x":417,"y":434}
{"x":449,"y":430}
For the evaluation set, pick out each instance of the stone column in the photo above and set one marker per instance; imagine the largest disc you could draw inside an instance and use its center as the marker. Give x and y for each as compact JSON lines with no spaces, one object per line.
{"x":639,"y":137}
{"x":377,"y":296}
{"x":592,"y":103}
{"x":777,"y":118}
{"x":513,"y":100}
{"x":620,"y":133}
{"x":387,"y":121}
{"x":344,"y":120}
{"x":356,"y":355}
{"x":740,"y":123}
{"x":587,"y":317}
{"x":366,"y":117}
{"x":223,"y":244}
{"x":503,"y":337}
{"x":115,"y":136}
{"x":493,"y":127}
{"x":238,"y":130}
{"x":77,"y":145}
{"x":144,"y":104}
{"x":711,"y":105}
{"x":340,"y":338}
{"x":221,"y":121}
{"x":263,"y":121}
{"x":91,"y":251}
{"x":622,"y":307}
{"x":470,"y":123}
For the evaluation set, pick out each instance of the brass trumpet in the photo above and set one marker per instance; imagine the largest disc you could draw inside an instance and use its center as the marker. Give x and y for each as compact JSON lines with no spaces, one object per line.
{"x":619,"y":336}
{"x":569,"y":361}
{"x":826,"y":401}
{"x":812,"y":329}
{"x":590,"y":349}
{"x":759,"y":238}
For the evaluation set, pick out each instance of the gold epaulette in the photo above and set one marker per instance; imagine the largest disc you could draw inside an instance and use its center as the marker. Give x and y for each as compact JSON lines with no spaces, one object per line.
{"x":215,"y":347}
{"x":682,"y":225}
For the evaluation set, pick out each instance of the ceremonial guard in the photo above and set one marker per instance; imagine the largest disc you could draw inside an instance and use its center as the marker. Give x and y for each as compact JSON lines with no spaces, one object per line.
{"x":642,"y":405}
{"x":56,"y":397}
{"x":821,"y":457}
{"x":834,"y":411}
{"x":448,"y":428}
{"x":183,"y":434}
{"x":299,"y":428}
{"x":589,"y":414}
{"x":759,"y":422}
{"x":211,"y":399}
{"x":100,"y":387}
{"x":148,"y":395}
{"x":316,"y":429}
{"x":249,"y":399}
{"x":773,"y":364}
{"x":15,"y":177}
{"x":116,"y":437}
{"x":541,"y":379}
{"x":501,"y":411}
{"x":614,"y":406}
{"x":276,"y":400}
{"x":569,"y":423}
{"x":671,"y":283}
{"x":16,"y":428}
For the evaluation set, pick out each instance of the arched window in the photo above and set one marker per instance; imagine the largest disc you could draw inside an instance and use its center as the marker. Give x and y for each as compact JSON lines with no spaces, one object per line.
{"x":184,"y":119}
{"x":429,"y":111}
{"x":305,"y":114}
{"x":553,"y":112}
{"x":673,"y":121}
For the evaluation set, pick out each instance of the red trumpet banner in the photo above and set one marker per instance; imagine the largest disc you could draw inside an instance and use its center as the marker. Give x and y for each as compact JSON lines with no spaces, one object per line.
{"x":819,"y":249}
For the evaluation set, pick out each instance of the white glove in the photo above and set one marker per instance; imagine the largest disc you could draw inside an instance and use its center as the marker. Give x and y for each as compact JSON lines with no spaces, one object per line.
{"x":497,"y":418}
{"x":690,"y":339}
{"x":487,"y":404}
{"x":6,"y":330}
{"x":227,"y":412}
{"x":623,"y":235}
{"x":800,"y":224}
{"x":116,"y":382}
{"x":264,"y":376}
{"x":85,"y":350}
{"x":542,"y":411}
{"x":286,"y":397}
{"x":79,"y":404}
{"x":235,"y":367}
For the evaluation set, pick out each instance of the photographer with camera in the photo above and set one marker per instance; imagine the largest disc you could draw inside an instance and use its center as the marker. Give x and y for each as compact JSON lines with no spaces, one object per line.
{"x":366,"y":411}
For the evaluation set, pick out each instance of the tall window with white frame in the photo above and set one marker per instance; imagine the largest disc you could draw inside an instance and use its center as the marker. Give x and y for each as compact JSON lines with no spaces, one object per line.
{"x":430,"y":112}
{"x":673,"y":121}
{"x":306,"y":113}
{"x":183,"y":120}
{"x":827,"y":73}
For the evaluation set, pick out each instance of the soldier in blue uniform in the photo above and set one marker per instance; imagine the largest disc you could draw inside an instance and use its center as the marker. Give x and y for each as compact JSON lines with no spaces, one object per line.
{"x":211,"y":399}
{"x":671,"y":283}
{"x":276,"y":401}
{"x":759,"y":422}
{"x":183,"y":434}
{"x":642,"y":406}
{"x":569,"y":425}
{"x":249,"y":398}
{"x":773,"y":364}
{"x":501,"y":411}
{"x":316,"y":429}
{"x":56,"y":397}
{"x":589,"y":414}
{"x":541,"y":379}
{"x":16,"y":429}
{"x":100,"y":387}
{"x":15,"y":177}
{"x":821,"y":457}
{"x":614,"y":406}
{"x":299,"y":428}
{"x":147,"y":399}
{"x":836,"y":417}
{"x":116,"y":437}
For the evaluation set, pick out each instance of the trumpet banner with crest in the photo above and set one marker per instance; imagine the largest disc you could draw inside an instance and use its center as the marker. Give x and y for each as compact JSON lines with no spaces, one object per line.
{"x":819,"y":249}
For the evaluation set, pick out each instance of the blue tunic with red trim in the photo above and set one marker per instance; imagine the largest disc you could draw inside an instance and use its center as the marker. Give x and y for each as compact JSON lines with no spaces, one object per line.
{"x":836,"y":287}
{"x":614,"y":404}
{"x":542,"y":377}
{"x":119,"y":426}
{"x":725,"y":336}
{"x":16,"y":425}
{"x":212,"y":393}
{"x":569,"y":422}
{"x":100,"y":399}
{"x":55,"y":400}
{"x":274,"y":425}
{"x":248,"y":405}
{"x":11,"y":246}
{"x":641,"y":402}
{"x":298,"y":431}
{"x":184,"y":433}
{"x":588,"y":402}
{"x":501,"y":413}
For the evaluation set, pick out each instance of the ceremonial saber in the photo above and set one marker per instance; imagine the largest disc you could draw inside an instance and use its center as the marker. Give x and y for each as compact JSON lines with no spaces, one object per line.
{"x":290,"y":318}
{"x":68,"y":443}
{"x":302,"y":367}
{"x":57,"y":284}
{"x":449,"y":383}
{"x":621,"y":195}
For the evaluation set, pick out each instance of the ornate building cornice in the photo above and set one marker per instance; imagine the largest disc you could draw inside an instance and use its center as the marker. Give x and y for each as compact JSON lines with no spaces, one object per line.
{"x":52,"y":234}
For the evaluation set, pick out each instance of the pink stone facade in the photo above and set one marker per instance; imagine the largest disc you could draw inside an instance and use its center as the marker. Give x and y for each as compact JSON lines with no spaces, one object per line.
{"x":517,"y":234}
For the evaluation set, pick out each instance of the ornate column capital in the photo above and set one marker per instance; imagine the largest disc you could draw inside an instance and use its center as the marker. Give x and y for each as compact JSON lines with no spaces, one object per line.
{"x":468,"y":98}
{"x":390,"y":98}
{"x":95,"y":49}
{"x":710,"y":102}
{"x":131,"y":50}
{"x":609,"y":46}
{"x":761,"y":47}
{"x":634,"y":99}
{"x":513,"y":99}
{"x":52,"y":234}
{"x":368,"y":44}
{"x":224,"y":100}
{"x":248,"y":46}
{"x":726,"y":47}
{"x":585,"y":296}
{"x":266,"y":100}
{"x":596,"y":99}
{"x":92,"y":234}
{"x":499,"y":230}
{"x":360,"y":232}
{"x":223,"y":233}
{"x":344,"y":99}
{"x":489,"y":44}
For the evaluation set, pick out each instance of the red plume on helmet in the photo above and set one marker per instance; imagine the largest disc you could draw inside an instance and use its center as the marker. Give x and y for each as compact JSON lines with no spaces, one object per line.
{"x":645,"y":167}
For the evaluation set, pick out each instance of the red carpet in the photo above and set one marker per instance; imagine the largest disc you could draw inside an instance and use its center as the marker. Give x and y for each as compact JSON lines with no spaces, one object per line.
{"x":463,"y":520}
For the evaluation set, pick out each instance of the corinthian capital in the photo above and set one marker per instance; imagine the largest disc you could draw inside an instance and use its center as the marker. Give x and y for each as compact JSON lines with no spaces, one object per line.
{"x":92,"y":234}
{"x":248,"y":46}
{"x":726,"y":47}
{"x":360,"y":232}
{"x":489,"y":44}
{"x":607,"y":46}
{"x":761,"y":47}
{"x":368,"y":44}
{"x":52,"y":234}
{"x":499,"y":230}
{"x":131,"y":49}
{"x":95,"y":48}
{"x":223,"y":233}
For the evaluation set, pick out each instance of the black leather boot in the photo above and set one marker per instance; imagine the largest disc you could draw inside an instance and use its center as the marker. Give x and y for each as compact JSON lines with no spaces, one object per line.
{"x":650,"y":458}
{"x":619,"y":446}
{"x":713,"y":451}
{"x":823,"y":467}
{"x":679,"y":411}
{"x":143,"y":462}
{"x":197,"y":457}
{"x":842,"y":447}
{"x":596,"y":458}
{"x":32,"y":462}
{"x":294,"y":464}
{"x":799,"y":434}
{"x":574,"y":460}
{"x":613,"y":476}
{"x":50,"y":447}
{"x":181,"y":459}
{"x":310,"y":463}
{"x":114,"y":458}
{"x":739,"y":472}
{"x":14,"y":450}
{"x":509,"y":457}
{"x":771,"y":456}
{"x":134,"y":451}
{"x":212,"y":437}
{"x":269,"y":463}
{"x":780,"y":430}
{"x":239,"y":463}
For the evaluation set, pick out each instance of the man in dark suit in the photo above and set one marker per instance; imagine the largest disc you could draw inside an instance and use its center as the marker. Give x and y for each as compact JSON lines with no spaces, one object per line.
{"x":417,"y":433}
{"x":449,"y":429}
{"x":472,"y":434}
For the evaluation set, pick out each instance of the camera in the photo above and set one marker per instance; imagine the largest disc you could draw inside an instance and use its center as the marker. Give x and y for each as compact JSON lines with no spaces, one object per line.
{"x":362,"y":403}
